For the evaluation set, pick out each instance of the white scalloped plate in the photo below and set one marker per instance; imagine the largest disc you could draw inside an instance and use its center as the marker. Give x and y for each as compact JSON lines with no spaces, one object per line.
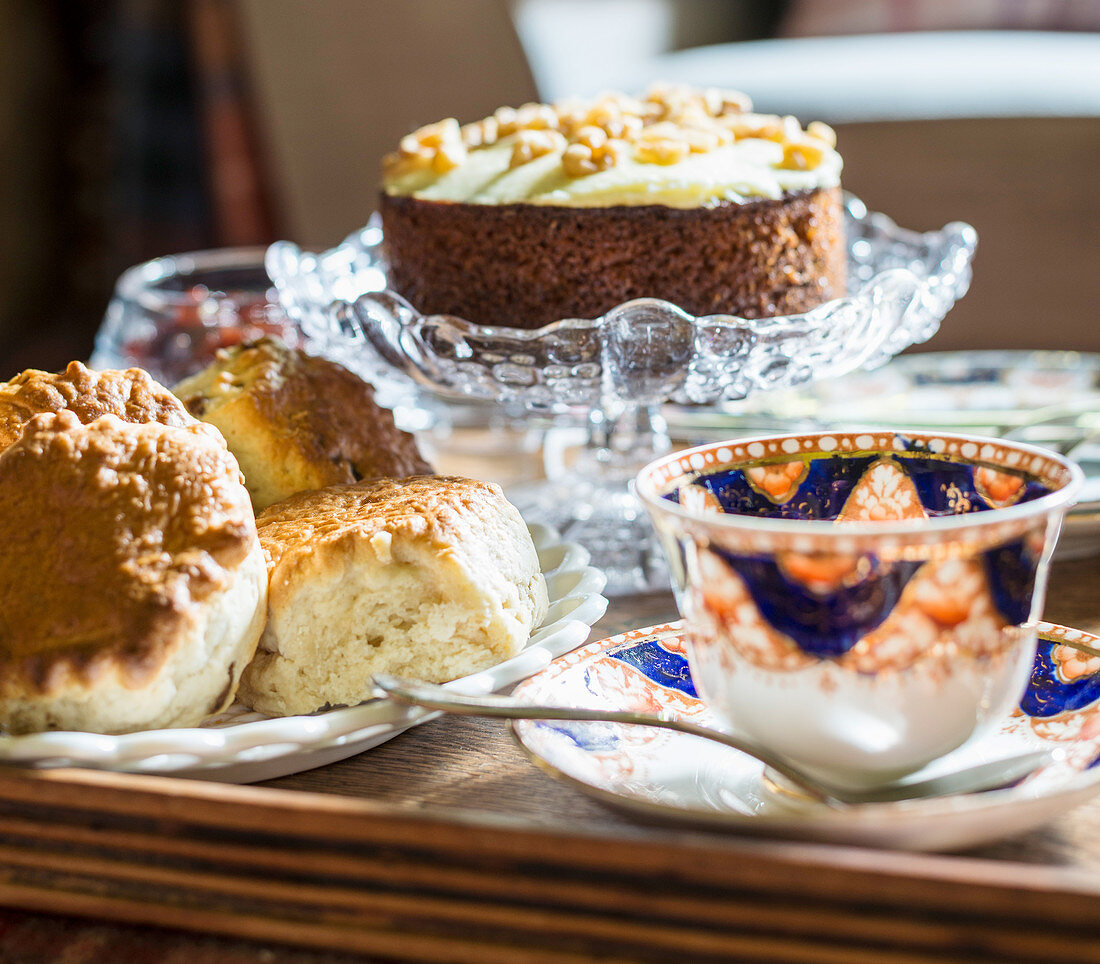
{"x":240,"y":746}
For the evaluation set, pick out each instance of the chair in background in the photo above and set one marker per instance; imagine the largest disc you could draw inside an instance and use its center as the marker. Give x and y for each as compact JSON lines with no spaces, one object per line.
{"x":337,"y":84}
{"x":139,"y":128}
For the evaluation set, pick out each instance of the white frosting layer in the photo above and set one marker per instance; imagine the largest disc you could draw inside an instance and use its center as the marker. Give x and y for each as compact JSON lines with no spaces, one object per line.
{"x":744,"y":170}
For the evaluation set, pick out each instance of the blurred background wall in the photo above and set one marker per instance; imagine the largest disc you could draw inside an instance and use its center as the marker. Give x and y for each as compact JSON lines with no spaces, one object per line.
{"x":135,"y":128}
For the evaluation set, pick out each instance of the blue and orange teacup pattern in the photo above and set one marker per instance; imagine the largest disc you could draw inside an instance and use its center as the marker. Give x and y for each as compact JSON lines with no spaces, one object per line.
{"x":861,"y":602}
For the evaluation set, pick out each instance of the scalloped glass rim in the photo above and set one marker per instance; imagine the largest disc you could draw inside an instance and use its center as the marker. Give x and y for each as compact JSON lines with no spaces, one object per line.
{"x":593,"y":324}
{"x":874,"y":349}
{"x":959,"y":229}
{"x":240,"y":738}
{"x":340,"y":299}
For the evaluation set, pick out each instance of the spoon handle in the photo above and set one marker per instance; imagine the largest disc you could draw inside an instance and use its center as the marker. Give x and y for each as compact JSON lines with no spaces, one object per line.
{"x":982,"y":776}
{"x":433,"y":697}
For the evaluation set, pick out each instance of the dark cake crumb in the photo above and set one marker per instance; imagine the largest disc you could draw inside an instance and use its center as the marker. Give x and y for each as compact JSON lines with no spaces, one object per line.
{"x":526,"y":265}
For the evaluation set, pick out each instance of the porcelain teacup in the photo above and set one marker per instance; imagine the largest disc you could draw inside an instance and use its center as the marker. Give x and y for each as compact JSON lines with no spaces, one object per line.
{"x":861,"y":603}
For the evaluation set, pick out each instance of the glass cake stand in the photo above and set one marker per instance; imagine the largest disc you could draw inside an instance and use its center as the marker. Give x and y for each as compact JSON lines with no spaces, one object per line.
{"x":616,"y":371}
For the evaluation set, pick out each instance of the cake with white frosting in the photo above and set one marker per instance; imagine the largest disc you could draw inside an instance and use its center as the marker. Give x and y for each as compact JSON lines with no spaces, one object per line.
{"x":559,"y":211}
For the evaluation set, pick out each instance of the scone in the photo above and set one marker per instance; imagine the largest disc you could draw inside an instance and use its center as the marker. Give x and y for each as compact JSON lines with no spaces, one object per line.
{"x":131,"y":394}
{"x":133,"y":586}
{"x":429,"y":577}
{"x":545,"y":212}
{"x":297,"y":422}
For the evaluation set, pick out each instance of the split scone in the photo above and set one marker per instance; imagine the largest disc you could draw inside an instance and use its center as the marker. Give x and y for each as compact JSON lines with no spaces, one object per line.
{"x":131,"y":394}
{"x":429,"y":577}
{"x":133,"y":586}
{"x":296,"y":422}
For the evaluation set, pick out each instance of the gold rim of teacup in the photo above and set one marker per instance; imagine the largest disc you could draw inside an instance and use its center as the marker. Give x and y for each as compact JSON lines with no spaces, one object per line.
{"x":994,"y":525}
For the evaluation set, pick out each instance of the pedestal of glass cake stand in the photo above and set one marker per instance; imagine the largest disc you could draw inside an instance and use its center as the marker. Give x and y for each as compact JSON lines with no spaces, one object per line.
{"x":616,"y":371}
{"x":588,"y":491}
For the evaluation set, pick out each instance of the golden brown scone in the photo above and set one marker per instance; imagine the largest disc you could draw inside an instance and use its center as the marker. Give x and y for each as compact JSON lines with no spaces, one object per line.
{"x":131,"y":394}
{"x":296,"y":422}
{"x":132,"y":583}
{"x":429,"y":577}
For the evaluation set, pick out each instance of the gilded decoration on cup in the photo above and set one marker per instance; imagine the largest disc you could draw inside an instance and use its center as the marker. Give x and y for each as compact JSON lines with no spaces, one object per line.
{"x":730,"y":625}
{"x":785,"y":603}
{"x":999,"y":489}
{"x":884,"y":492}
{"x":779,"y":481}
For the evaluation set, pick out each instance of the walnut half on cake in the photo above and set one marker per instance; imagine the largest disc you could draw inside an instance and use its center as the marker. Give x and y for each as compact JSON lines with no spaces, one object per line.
{"x":563,"y":211}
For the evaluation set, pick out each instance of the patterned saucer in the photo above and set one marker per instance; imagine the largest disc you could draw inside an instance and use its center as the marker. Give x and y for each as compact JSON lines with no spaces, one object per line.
{"x":671,"y":776}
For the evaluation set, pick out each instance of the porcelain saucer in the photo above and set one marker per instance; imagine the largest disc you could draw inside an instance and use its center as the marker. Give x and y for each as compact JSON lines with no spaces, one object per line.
{"x":658,"y":774}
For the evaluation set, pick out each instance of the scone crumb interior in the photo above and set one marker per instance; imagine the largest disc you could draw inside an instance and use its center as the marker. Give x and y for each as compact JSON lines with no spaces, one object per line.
{"x":429,"y":577}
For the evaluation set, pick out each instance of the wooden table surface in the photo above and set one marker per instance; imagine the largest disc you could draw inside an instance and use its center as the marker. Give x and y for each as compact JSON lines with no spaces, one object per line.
{"x":471,"y":772}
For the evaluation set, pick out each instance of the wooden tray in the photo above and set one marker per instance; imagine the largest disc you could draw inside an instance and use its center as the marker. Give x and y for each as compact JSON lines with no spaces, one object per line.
{"x":444,"y":844}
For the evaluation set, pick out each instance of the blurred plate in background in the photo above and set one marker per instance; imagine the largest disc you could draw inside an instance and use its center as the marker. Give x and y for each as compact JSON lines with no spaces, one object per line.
{"x":1047,"y":398}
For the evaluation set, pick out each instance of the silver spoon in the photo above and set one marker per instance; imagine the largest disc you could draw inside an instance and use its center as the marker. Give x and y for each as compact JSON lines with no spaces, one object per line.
{"x":984,"y":776}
